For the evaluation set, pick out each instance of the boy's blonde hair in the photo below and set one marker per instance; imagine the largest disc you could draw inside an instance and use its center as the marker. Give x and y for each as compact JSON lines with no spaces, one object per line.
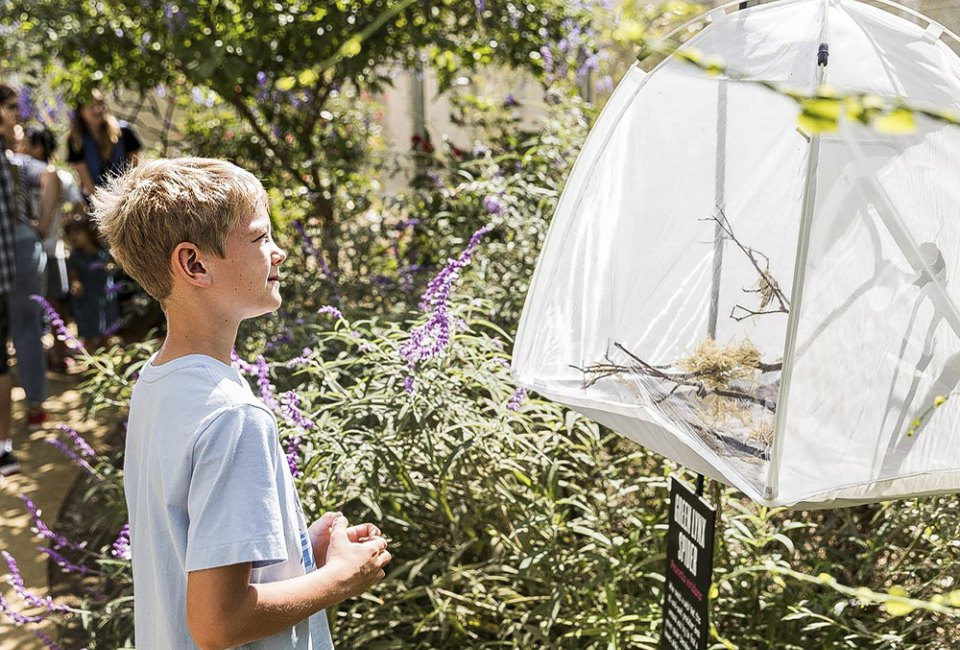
{"x":149,"y":209}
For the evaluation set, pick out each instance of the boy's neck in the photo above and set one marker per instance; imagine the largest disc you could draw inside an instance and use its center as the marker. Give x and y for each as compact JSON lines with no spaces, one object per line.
{"x":197,"y":335}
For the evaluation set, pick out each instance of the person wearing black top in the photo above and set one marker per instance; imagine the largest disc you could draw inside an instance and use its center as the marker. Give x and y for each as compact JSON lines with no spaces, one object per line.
{"x":100,"y":145}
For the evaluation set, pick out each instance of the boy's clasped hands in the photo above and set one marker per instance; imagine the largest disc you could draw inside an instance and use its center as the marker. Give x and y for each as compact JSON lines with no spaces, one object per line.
{"x":357,"y":554}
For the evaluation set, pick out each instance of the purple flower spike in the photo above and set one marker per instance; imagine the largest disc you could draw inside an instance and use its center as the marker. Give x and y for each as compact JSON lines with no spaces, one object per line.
{"x":121,"y":545}
{"x":430,"y":339}
{"x":292,"y":412}
{"x":58,"y":325}
{"x":63,"y":562}
{"x":240,"y":364}
{"x":331,"y":310}
{"x":263,"y":383}
{"x":16,"y":581}
{"x":72,"y":455}
{"x":78,"y":441}
{"x":45,"y":640}
{"x":492,"y":204}
{"x":518,"y":396}
{"x":59,"y":541}
{"x":18,"y":619}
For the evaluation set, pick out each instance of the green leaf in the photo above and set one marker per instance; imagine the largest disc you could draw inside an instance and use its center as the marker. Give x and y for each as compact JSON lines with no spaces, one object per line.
{"x":352,"y":47}
{"x":285,"y":83}
{"x":307,"y":77}
{"x":628,"y":31}
{"x":899,"y":121}
{"x":896,"y":606}
{"x":819,"y":115}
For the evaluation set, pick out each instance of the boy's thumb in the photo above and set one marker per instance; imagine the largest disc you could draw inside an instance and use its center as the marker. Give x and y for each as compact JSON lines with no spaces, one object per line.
{"x":339,"y":524}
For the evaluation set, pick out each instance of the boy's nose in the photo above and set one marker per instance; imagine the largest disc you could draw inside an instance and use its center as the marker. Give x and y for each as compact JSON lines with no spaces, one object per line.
{"x":279,"y":255}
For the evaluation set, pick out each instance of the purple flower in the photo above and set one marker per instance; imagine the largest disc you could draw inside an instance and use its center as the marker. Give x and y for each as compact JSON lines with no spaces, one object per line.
{"x":240,"y":364}
{"x":16,"y":581}
{"x":57,"y":324}
{"x":293,"y":415}
{"x":18,"y":619}
{"x":547,"y":58}
{"x":78,"y":441}
{"x":28,"y":109}
{"x":45,"y":640}
{"x":302,"y":360}
{"x":121,"y":546}
{"x":331,"y":311}
{"x":408,"y":384}
{"x":590,"y":64}
{"x":63,"y":562}
{"x":72,"y":455}
{"x":517,"y":399}
{"x":492,"y":204}
{"x":59,"y":541}
{"x":407,"y":276}
{"x":161,"y":91}
{"x":293,"y":456}
{"x":114,"y":327}
{"x":310,"y":249}
{"x":292,"y":412}
{"x":510,"y":101}
{"x":481,"y":6}
{"x":604,"y":84}
{"x":176,"y":19}
{"x":284,"y":337}
{"x":263,"y":384}
{"x":430,"y":339}
{"x":407,"y":223}
{"x":306,"y":241}
{"x":201,"y":98}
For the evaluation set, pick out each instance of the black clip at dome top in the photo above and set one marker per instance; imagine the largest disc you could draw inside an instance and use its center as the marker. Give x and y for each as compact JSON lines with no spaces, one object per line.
{"x":823,"y":54}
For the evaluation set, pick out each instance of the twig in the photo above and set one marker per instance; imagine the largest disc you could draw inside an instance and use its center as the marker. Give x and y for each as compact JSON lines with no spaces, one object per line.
{"x":766,"y":280}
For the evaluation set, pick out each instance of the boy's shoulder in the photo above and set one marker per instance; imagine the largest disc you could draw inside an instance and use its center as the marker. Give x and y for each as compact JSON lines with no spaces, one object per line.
{"x":197,"y":385}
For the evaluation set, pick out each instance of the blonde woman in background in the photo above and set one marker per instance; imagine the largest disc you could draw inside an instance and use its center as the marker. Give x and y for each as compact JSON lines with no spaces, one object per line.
{"x":100,"y":145}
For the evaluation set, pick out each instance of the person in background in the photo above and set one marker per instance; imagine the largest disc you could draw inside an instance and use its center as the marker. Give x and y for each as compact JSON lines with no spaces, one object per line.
{"x":40,"y":143}
{"x":30,"y":229}
{"x":90,"y":269}
{"x":100,"y":146}
{"x":9,"y":113}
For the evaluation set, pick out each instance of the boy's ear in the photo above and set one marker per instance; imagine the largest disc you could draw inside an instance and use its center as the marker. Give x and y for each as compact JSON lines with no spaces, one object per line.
{"x":188,"y":265}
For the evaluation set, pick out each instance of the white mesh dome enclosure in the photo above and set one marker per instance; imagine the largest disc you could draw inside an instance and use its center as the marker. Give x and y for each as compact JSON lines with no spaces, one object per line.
{"x":772,"y":308}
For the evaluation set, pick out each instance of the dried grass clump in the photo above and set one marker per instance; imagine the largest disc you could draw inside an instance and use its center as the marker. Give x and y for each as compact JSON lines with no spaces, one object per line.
{"x":717,"y":366}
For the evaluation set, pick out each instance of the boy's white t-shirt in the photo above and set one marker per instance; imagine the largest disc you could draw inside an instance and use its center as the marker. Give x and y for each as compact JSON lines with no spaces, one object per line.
{"x":207,"y":485}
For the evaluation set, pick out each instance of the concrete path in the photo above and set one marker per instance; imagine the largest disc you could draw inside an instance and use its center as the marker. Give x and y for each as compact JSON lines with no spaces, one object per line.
{"x":47,"y":477}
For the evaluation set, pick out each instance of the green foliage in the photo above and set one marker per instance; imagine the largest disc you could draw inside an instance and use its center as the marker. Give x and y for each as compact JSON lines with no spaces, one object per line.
{"x":497,"y":516}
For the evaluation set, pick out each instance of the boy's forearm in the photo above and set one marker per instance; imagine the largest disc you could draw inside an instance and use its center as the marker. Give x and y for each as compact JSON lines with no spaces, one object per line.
{"x":265,"y":609}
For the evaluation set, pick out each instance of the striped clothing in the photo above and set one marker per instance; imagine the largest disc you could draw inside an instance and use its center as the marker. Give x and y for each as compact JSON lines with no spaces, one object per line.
{"x":8,"y":217}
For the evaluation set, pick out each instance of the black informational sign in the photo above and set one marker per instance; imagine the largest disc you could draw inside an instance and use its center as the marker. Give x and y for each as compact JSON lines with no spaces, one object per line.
{"x":686,"y":603}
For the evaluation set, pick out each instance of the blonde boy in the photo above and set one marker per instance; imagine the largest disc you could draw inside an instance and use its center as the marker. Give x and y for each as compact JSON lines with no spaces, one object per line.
{"x":222,"y":556}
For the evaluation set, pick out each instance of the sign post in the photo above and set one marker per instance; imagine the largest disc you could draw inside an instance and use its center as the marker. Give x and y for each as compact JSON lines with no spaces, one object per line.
{"x":686,"y":603}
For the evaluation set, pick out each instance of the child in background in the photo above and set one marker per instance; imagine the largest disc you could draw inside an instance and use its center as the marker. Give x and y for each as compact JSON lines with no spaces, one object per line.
{"x":40,"y":143}
{"x":90,"y":269}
